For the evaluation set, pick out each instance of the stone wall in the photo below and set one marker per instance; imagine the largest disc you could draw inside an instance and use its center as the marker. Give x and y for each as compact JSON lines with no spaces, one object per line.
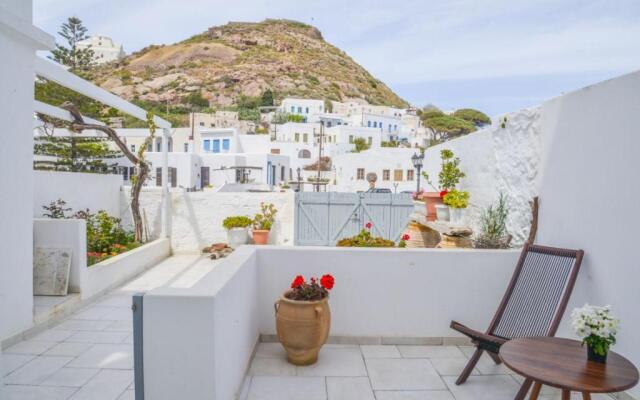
{"x":197,"y":216}
{"x":497,"y":160}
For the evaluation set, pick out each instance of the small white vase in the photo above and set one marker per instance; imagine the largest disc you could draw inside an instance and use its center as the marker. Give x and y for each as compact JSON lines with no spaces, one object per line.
{"x":442,"y":212}
{"x":457,"y":216}
{"x":420,"y":208}
{"x":237,"y":236}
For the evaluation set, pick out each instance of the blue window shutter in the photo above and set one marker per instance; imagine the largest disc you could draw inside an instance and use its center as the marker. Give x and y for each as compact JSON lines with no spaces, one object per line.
{"x":306,"y":111}
{"x":216,"y":146}
{"x":225,"y":144}
{"x":293,"y":109}
{"x":207,"y":146}
{"x":369,"y":124}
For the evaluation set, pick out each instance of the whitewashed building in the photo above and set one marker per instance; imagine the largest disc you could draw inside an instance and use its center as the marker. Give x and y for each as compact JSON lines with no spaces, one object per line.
{"x":104,"y":49}
{"x":307,"y":108}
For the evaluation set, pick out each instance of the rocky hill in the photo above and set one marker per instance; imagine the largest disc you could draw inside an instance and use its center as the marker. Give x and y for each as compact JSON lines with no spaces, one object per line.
{"x":244,"y":59}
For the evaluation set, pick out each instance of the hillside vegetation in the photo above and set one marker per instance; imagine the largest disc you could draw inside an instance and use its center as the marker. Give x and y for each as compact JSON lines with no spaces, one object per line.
{"x":227,"y":64}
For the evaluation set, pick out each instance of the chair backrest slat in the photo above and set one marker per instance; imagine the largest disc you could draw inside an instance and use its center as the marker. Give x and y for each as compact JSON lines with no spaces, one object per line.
{"x":538,"y":294}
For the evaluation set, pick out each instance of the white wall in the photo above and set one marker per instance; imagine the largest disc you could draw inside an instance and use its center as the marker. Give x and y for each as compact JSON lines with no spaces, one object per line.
{"x":80,"y":191}
{"x":19,"y":40}
{"x":197,"y":216}
{"x":495,"y":160}
{"x":198,"y":341}
{"x":588,"y":195}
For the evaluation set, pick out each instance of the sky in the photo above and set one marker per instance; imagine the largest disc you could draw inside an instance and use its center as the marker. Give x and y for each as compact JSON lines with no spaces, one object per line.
{"x":494,"y":55}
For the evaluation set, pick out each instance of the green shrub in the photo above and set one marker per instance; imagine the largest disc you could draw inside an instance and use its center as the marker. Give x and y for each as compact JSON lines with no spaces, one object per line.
{"x":424,"y":115}
{"x":236,"y":221}
{"x":365,"y":239}
{"x":449,"y":125}
{"x":493,"y":226}
{"x":361,"y":145}
{"x":265,"y":218}
{"x":456,"y":199}
{"x":476,"y":117}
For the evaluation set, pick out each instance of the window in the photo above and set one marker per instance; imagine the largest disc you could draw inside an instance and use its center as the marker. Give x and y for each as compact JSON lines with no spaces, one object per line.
{"x":201,"y":123}
{"x":389,"y":128}
{"x":409,"y":174}
{"x":186,"y":147}
{"x":225,"y":144}
{"x":212,"y":125}
{"x":275,"y":151}
{"x":360,"y":174}
{"x":395,"y":127}
{"x":305,"y":137}
{"x":133,"y":148}
{"x":304,"y":153}
{"x":386,"y":174}
{"x":350,"y":138}
{"x":397,"y":175}
{"x":216,"y":146}
{"x":369,"y":124}
{"x":293,"y":109}
{"x":149,"y":147}
{"x":375,"y":124}
{"x":329,"y":139}
{"x":306,"y":110}
{"x":299,"y":110}
{"x":159,"y":145}
{"x":328,"y":124}
{"x":282,"y":173}
{"x":370,"y":140}
{"x":207,"y":146}
{"x":297,"y":137}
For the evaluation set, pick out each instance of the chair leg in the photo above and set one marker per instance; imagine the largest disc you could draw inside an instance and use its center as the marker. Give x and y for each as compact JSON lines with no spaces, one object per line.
{"x":496,"y":359}
{"x":535,"y":391}
{"x":586,"y":396}
{"x":524,"y":389}
{"x":469,"y":367}
{"x":566,"y":394}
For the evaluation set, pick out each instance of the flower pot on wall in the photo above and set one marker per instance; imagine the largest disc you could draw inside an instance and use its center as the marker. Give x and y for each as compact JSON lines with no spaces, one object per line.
{"x":457,"y":216}
{"x":442,"y":212}
{"x":302,"y":328}
{"x":237,"y":236}
{"x":431,"y":199}
{"x":260,"y":236}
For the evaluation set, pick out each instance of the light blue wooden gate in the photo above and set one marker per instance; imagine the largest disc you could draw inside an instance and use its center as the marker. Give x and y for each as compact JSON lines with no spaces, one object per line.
{"x":321,"y":219}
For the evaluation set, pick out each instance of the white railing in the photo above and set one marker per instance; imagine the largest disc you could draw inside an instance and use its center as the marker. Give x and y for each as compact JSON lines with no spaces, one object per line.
{"x":55,"y":72}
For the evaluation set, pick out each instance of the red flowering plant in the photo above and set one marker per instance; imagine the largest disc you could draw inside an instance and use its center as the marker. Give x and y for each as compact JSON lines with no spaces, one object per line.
{"x":314,"y":290}
{"x":403,"y":240}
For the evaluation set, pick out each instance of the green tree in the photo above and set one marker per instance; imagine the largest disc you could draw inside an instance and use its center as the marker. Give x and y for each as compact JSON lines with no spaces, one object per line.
{"x":73,"y":153}
{"x":476,"y":117}
{"x":196,"y":101}
{"x":266,"y":99}
{"x":361,"y":145}
{"x":427,"y":114}
{"x":72,"y":56}
{"x":446,"y":127}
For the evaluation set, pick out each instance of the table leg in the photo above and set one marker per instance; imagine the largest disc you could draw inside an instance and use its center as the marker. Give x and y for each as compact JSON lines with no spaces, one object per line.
{"x":522,"y":393}
{"x":566,"y":394}
{"x":586,"y":396}
{"x":535,"y":391}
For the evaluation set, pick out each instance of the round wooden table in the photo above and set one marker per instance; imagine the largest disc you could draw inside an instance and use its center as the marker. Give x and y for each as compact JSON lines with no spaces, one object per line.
{"x":562,"y":363}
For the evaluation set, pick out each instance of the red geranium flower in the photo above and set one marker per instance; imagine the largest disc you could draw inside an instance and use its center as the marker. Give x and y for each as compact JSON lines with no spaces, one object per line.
{"x":406,"y":237}
{"x":369,"y":225}
{"x":299,"y":281}
{"x":443,"y":193}
{"x":327,"y":281}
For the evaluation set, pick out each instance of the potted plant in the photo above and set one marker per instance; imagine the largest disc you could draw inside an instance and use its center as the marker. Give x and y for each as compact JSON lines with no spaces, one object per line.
{"x":442,"y":210}
{"x":448,"y":178}
{"x":237,"y":227}
{"x":365,"y":239}
{"x":458,"y":201}
{"x":263,"y":222}
{"x":418,"y":203}
{"x":303,"y":318}
{"x":597,"y":328}
{"x":493,"y":226}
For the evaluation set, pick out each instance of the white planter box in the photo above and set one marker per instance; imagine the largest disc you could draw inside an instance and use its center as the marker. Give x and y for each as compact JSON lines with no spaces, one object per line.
{"x":237,"y":237}
{"x":117,"y":270}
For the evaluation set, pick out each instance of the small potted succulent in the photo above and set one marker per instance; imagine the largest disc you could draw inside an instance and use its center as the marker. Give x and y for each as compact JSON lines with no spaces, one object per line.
{"x":597,"y":328}
{"x":237,"y":227}
{"x":303,"y":318}
{"x":448,"y":178}
{"x":458,"y":201}
{"x":262,"y":223}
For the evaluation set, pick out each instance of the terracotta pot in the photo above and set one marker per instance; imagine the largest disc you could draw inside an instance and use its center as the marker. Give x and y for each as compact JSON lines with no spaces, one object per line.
{"x":302,"y":327}
{"x":260,"y":236}
{"x":431,"y":199}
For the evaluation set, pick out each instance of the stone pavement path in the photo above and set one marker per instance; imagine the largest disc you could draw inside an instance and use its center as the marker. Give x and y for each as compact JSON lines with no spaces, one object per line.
{"x":89,"y":355}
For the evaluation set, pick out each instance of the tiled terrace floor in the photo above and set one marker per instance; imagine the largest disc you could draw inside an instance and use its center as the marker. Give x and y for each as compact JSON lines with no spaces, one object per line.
{"x":90,"y":354}
{"x":350,"y":372}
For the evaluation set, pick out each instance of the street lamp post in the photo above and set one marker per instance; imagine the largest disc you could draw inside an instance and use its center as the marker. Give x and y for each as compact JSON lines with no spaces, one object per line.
{"x":417,"y":163}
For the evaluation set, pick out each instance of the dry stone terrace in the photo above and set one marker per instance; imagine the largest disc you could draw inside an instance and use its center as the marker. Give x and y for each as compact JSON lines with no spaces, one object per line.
{"x":90,"y":356}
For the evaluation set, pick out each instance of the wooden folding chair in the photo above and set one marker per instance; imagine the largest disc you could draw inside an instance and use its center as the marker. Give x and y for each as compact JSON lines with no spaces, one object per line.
{"x":533,"y":304}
